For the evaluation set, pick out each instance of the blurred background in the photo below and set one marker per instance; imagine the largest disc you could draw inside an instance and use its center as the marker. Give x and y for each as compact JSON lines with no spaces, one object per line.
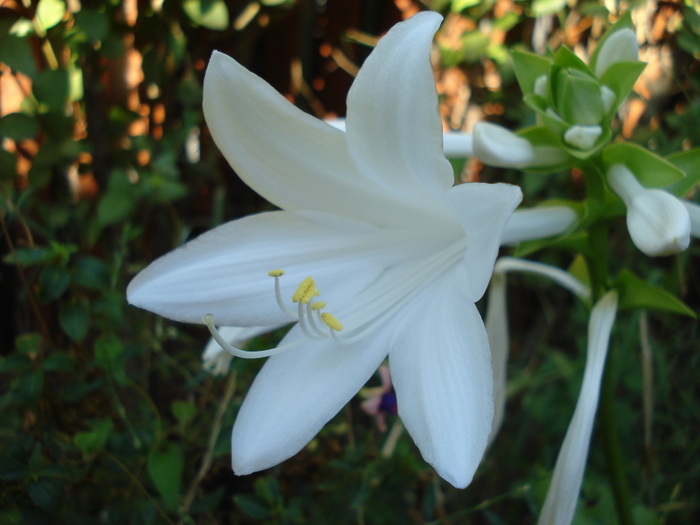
{"x":106,"y":413}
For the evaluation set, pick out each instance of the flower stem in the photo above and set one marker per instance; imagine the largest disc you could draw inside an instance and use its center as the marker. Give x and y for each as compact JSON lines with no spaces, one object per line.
{"x":611,"y":447}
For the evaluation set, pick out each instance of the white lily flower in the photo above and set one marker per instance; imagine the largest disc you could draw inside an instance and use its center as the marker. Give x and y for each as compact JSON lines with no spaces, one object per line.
{"x":562,"y":496}
{"x":657,"y":221}
{"x":538,"y":223}
{"x":399,"y":255}
{"x":497,"y":146}
{"x":621,"y":46}
{"x":694,"y":216}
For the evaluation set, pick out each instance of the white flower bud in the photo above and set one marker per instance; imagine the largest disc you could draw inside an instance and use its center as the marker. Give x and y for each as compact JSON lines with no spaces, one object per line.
{"x":657,"y":221}
{"x":608,"y":97}
{"x":621,"y":46}
{"x":582,"y":137}
{"x":500,"y":147}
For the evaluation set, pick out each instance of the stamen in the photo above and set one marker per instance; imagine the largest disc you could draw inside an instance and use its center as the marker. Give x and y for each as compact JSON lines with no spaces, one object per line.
{"x":306,"y":291}
{"x":310,"y":311}
{"x":278,"y":293}
{"x":305,"y":328}
{"x":331,"y":322}
{"x":208,"y":320}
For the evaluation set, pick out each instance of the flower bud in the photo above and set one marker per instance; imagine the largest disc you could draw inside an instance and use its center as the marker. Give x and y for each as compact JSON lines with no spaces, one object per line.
{"x":500,"y":147}
{"x":621,"y":46}
{"x":577,"y":97}
{"x":657,"y":221}
{"x":582,"y":137}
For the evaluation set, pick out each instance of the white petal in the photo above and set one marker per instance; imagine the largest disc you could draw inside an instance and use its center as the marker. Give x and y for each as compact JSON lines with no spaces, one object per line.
{"x":225,"y":271}
{"x":483,"y":210}
{"x":499,"y":342}
{"x":217,"y":360}
{"x":441,"y":368}
{"x":294,"y":160}
{"x":694,"y":216}
{"x":393,"y":126}
{"x":562,"y":497}
{"x":298,"y":392}
{"x":621,"y":46}
{"x":538,"y":223}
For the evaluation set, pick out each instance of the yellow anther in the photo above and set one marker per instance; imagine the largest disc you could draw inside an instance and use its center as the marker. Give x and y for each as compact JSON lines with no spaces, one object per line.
{"x":331,"y":322}
{"x":275,"y":273}
{"x":306,"y":291}
{"x":318,"y":305}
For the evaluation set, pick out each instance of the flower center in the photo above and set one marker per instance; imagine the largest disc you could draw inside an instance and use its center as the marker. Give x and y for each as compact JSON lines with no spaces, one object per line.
{"x":313,"y":322}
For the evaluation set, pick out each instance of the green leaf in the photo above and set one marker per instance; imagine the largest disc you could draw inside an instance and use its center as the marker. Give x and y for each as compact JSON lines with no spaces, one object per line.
{"x":47,"y":494}
{"x":91,"y":273}
{"x":689,"y":163}
{"x":52,"y":88}
{"x":651,"y":170}
{"x":94,"y":23}
{"x":165,"y":468}
{"x":58,"y":362}
{"x":547,"y":7}
{"x":28,"y":344}
{"x":53,"y":282}
{"x":212,"y":14}
{"x":8,"y":165}
{"x":565,"y":58}
{"x":637,"y":293}
{"x":74,"y":317}
{"x":16,"y":52}
{"x":49,"y":13}
{"x":30,"y":386}
{"x":528,"y":67}
{"x":183,"y":411}
{"x":92,"y":441}
{"x":251,"y":506}
{"x":109,"y":351}
{"x":15,"y":363}
{"x":18,"y":126}
{"x":621,"y":78}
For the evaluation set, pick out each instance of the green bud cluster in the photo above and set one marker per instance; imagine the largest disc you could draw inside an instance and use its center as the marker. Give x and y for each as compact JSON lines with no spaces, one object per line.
{"x":575,"y":102}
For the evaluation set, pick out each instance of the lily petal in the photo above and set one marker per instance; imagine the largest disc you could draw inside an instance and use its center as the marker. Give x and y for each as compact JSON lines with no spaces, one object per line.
{"x":294,"y":160}
{"x":562,"y":497}
{"x":224,"y":272}
{"x":483,"y":210}
{"x":441,"y":368}
{"x":393,"y":126}
{"x":296,"y":393}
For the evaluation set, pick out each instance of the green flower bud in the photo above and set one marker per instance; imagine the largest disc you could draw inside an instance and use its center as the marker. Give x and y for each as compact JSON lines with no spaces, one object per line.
{"x":578,"y":98}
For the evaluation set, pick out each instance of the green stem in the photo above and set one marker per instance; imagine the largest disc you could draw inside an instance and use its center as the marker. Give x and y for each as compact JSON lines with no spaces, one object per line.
{"x":611,"y":447}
